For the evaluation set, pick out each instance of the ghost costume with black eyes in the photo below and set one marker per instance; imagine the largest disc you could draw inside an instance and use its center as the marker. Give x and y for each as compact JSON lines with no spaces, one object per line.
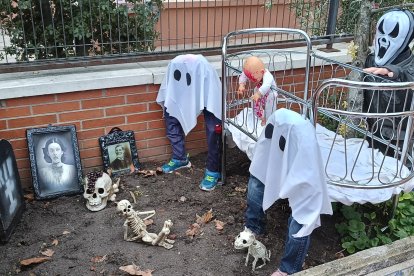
{"x":287,"y":160}
{"x":394,"y":32}
{"x":191,"y":86}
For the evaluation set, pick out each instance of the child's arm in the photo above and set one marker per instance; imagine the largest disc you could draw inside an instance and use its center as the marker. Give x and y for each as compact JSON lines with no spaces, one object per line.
{"x":242,"y":84}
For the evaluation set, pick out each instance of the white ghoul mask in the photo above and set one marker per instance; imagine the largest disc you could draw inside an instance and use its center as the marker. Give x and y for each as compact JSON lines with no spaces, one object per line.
{"x":394,"y":31}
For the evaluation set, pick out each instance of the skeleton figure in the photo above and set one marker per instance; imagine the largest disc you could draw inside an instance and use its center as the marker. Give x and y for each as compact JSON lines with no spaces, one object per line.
{"x":255,"y":248}
{"x":99,"y":188}
{"x":139,"y":229}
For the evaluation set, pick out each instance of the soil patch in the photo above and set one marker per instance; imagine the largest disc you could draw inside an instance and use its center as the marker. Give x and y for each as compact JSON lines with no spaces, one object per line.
{"x":91,"y":243}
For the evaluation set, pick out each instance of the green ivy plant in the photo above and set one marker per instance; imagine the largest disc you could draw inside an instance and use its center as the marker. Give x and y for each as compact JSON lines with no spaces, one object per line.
{"x":43,"y":29}
{"x":366,"y":226}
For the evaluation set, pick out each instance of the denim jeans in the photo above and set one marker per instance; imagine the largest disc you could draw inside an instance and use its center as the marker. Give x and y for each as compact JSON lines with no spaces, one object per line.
{"x":295,"y":248}
{"x":176,"y":136}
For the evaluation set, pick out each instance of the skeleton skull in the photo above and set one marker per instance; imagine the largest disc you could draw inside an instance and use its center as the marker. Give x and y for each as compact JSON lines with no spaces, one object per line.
{"x":125,"y":207}
{"x":244,"y":239}
{"x":98,"y":189}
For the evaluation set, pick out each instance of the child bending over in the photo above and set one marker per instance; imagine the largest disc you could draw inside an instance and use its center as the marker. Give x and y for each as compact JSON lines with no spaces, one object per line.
{"x":254,"y":70}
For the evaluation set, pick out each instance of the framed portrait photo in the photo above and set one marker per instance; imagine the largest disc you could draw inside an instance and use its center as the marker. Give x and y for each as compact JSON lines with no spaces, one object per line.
{"x":11,"y":196}
{"x":54,"y":161}
{"x":119,"y":152}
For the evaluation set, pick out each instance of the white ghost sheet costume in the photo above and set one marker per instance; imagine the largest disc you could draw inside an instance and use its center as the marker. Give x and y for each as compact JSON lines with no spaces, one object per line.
{"x":190,"y":85}
{"x":288,"y":161}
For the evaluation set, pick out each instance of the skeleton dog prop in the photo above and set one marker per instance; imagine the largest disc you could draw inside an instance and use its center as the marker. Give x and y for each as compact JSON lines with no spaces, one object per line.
{"x":138,"y":228}
{"x":246,"y":239}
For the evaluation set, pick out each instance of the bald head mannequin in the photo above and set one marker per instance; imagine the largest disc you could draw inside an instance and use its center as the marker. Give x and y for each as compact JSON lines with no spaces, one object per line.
{"x":254,"y":69}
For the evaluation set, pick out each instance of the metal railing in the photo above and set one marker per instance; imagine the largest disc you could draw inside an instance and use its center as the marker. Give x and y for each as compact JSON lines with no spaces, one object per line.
{"x":62,"y":31}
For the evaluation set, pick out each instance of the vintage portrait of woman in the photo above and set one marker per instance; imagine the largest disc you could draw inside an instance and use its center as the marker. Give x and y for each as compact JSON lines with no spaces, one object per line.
{"x":56,"y":174}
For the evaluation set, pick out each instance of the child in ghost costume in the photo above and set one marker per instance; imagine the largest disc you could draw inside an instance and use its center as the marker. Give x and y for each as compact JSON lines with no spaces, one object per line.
{"x":191,"y":86}
{"x":281,"y":168}
{"x":392,"y":59}
{"x":255,"y":71}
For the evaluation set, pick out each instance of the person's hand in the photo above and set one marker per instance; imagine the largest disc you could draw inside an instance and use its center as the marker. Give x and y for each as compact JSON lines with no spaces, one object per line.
{"x":241,"y":89}
{"x":256,"y":96}
{"x":379,"y":71}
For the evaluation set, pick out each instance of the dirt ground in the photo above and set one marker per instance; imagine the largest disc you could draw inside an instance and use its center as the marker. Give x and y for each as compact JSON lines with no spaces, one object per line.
{"x":82,"y":242}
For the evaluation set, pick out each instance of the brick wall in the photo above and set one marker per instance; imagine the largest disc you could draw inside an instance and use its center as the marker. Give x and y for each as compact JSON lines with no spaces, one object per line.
{"x":93,"y":113}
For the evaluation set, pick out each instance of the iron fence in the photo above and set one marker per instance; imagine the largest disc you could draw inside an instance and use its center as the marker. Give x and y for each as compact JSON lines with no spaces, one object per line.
{"x":33,"y":31}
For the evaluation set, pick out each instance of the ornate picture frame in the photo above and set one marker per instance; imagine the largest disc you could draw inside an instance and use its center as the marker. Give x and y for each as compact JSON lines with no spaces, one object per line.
{"x":119,"y":152}
{"x":12,"y":202}
{"x":54,"y":161}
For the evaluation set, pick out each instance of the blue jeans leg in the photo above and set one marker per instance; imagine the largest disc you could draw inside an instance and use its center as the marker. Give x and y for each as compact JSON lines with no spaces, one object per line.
{"x":176,"y":136}
{"x":295,"y":249}
{"x":255,"y":217}
{"x":213,"y":142}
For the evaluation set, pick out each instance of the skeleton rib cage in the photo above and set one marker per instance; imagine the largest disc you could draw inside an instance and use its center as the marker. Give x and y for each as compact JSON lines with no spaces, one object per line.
{"x":328,"y":93}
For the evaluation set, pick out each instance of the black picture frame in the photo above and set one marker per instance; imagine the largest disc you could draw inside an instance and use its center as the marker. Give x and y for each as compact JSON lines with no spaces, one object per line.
{"x":55,"y":172}
{"x":12,"y":202}
{"x":117,"y":140}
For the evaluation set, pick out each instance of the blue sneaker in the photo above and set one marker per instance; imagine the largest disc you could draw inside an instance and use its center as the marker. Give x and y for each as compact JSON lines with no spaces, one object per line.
{"x":175,"y":164}
{"x":210,"y":181}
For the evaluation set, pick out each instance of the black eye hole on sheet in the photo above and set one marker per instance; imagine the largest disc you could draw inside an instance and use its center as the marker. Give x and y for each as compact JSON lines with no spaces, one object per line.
{"x":177,"y":75}
{"x":269,"y":131}
{"x":188,"y":79}
{"x":282,"y":143}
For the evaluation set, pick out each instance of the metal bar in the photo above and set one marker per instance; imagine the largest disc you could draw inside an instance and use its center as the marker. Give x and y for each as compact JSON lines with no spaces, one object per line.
{"x":331,"y":25}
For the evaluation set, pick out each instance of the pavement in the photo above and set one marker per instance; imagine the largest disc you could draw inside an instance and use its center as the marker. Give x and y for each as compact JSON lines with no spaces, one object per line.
{"x":396,"y":259}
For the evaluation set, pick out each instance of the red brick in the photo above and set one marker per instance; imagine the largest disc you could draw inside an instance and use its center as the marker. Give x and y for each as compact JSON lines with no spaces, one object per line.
{"x":126,"y":109}
{"x":152,"y":152}
{"x":140,"y":98}
{"x":87,"y":144}
{"x":90,"y":133}
{"x":56,"y":107}
{"x":153,"y":87}
{"x":126,"y":90}
{"x":142,"y":144}
{"x":13,"y":133}
{"x":156,"y":124}
{"x":163,"y":157}
{"x":76,"y":124}
{"x":92,"y":152}
{"x":133,"y":127}
{"x":143,"y":117}
{"x":21,"y":153}
{"x":25,"y":173}
{"x":154,"y":107}
{"x":92,"y":162}
{"x":114,"y":121}
{"x":23,"y":163}
{"x":196,"y":135}
{"x":3,"y":124}
{"x":79,"y":95}
{"x":32,"y":121}
{"x":196,"y":145}
{"x":19,"y":143}
{"x":102,"y":102}
{"x":31,"y":100}
{"x":81,"y":115}
{"x":157,"y":142}
{"x":14,"y":112}
{"x":149,"y":134}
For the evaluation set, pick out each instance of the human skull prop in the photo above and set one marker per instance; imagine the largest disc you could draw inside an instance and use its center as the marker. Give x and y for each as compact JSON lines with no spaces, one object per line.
{"x":98,"y":190}
{"x":244,"y":239}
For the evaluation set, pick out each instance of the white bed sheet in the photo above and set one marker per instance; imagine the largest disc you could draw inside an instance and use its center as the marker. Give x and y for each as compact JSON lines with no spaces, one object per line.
{"x":357,"y":152}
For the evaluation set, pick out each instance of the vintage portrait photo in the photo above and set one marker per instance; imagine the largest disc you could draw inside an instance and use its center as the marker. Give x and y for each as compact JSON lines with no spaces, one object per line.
{"x":119,"y":152}
{"x":11,"y":195}
{"x":55,"y":162}
{"x":119,"y":156}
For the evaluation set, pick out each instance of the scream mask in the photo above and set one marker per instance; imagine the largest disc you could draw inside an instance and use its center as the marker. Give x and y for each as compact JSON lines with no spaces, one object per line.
{"x":394,"y":33}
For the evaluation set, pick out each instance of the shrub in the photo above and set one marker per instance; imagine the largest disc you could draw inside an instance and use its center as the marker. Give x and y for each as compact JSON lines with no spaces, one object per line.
{"x":40,"y":29}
